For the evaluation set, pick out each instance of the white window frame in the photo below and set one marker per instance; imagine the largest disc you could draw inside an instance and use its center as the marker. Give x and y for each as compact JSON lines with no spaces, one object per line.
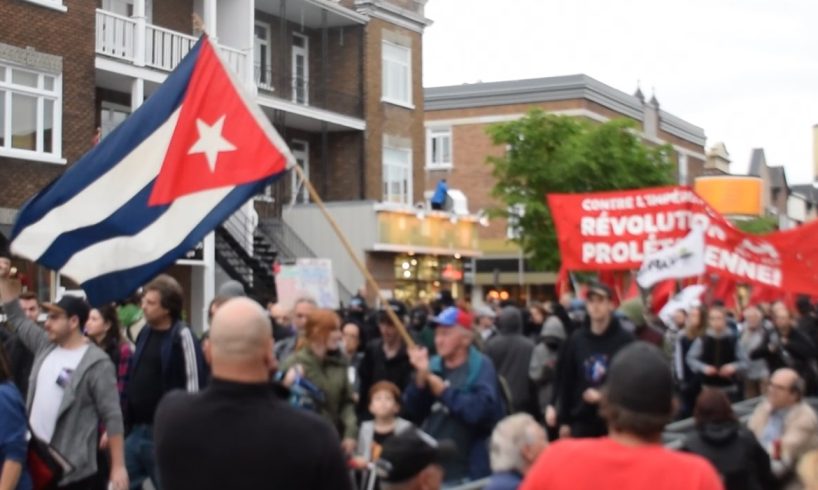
{"x":406,"y":64}
{"x":405,"y":197}
{"x":266,"y":42}
{"x":431,"y":135}
{"x":305,"y":52}
{"x":683,"y":168}
{"x":513,"y":230}
{"x":52,"y":4}
{"x":111,"y":106}
{"x":42,"y":94}
{"x":299,"y":193}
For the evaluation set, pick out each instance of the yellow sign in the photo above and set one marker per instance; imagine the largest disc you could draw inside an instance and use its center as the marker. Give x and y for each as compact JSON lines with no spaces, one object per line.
{"x":732,"y":195}
{"x":434,"y":233}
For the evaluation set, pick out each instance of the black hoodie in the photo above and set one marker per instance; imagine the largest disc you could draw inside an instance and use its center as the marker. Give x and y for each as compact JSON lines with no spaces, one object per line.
{"x":584,"y":364}
{"x":735,"y":453}
{"x":510,"y":352}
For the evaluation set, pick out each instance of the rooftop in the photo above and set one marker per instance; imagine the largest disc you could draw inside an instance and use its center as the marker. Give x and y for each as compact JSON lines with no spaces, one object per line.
{"x":533,"y":90}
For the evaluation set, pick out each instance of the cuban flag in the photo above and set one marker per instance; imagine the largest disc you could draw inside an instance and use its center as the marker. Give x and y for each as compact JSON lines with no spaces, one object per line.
{"x":179,"y":166}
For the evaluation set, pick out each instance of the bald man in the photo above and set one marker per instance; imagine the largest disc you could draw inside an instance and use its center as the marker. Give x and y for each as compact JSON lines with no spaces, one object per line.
{"x":240,"y":432}
{"x":784,"y":424}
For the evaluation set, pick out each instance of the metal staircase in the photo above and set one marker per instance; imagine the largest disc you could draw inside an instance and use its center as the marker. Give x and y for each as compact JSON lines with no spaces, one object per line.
{"x":247,"y":255}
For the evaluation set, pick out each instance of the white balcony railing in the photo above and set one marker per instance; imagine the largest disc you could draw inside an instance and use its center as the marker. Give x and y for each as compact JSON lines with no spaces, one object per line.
{"x":164,"y":49}
{"x":119,"y":37}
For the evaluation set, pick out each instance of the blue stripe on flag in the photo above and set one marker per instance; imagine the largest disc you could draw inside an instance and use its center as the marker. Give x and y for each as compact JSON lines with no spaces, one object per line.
{"x":117,"y":285}
{"x":111,"y":150}
{"x":128,"y":220}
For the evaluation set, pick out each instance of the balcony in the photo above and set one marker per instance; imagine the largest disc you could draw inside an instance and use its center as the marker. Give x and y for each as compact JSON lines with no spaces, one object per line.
{"x":307,"y":92}
{"x":142,"y":44}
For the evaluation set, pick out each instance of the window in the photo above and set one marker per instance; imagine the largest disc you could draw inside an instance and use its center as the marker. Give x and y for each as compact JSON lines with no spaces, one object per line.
{"x":30,"y":113}
{"x":111,"y":116}
{"x":397,"y":74}
{"x":397,"y":175}
{"x":261,"y":56}
{"x":682,"y":159}
{"x":52,"y":4}
{"x":439,"y":148}
{"x":515,"y":213}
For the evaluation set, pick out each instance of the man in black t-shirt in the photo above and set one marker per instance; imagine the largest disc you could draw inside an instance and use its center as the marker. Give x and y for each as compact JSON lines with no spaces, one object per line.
{"x":167,"y":357}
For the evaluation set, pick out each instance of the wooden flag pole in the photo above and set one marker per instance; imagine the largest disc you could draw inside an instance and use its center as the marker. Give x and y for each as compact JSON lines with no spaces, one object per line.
{"x":360,"y":265}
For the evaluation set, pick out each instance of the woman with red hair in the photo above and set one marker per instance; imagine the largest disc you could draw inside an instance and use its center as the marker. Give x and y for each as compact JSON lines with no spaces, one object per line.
{"x":320,"y":369}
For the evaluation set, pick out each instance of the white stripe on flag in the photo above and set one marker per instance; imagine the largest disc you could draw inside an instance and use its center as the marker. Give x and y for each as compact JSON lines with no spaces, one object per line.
{"x":102,"y":197}
{"x":151,"y":243}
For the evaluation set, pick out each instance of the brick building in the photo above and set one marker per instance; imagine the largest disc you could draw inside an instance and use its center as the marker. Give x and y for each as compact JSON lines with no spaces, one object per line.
{"x":457,"y":147}
{"x":340,"y":80}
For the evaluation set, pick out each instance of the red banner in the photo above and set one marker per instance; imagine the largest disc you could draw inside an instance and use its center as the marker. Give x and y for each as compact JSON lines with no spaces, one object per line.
{"x":614,"y":231}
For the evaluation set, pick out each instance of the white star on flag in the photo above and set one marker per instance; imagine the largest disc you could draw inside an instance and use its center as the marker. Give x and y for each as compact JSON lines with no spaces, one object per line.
{"x":211,"y":142}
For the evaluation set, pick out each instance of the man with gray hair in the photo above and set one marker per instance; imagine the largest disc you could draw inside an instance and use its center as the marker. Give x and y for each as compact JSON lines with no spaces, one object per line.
{"x":515,"y":444}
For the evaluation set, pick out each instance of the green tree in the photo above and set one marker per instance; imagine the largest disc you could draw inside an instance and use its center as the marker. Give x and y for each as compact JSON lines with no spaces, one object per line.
{"x":757,"y":226}
{"x":546,"y":153}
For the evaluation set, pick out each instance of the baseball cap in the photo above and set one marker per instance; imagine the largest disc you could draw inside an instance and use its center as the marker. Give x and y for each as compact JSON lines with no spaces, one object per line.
{"x":599,"y":289}
{"x":640,"y":380}
{"x":70,"y":306}
{"x":453,"y":317}
{"x":398,"y":307}
{"x":406,"y":454}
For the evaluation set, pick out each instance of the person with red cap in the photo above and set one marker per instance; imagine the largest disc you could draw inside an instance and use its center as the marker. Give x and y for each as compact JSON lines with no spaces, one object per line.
{"x":455,"y":395}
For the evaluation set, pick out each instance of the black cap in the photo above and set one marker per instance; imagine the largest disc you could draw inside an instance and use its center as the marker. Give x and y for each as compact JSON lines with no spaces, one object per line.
{"x":398,"y":307}
{"x":640,"y":380}
{"x":599,"y":289}
{"x":408,"y":453}
{"x":71,"y":306}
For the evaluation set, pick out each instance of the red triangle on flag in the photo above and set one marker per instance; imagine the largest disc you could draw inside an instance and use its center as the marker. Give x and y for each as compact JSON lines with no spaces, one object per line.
{"x":217,"y":142}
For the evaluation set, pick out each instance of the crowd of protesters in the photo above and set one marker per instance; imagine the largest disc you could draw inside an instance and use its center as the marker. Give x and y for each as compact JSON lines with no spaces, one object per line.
{"x":304,"y":397}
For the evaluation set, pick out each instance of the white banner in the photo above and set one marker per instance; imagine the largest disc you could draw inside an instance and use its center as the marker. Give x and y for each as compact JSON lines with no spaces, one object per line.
{"x":684,"y":258}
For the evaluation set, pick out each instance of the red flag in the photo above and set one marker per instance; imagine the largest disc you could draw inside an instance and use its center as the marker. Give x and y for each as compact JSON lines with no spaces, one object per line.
{"x":633,"y":290}
{"x":563,"y":283}
{"x":725,"y":291}
{"x":661,"y":294}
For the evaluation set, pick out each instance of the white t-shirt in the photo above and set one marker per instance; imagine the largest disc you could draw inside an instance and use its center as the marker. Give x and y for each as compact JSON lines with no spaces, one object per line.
{"x":53,"y":377}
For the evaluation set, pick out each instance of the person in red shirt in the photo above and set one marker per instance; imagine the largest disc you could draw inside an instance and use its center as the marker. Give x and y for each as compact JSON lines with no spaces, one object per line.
{"x":637,"y":402}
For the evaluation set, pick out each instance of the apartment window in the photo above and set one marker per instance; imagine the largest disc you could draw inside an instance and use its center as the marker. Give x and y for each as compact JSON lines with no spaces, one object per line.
{"x":53,"y":4}
{"x":439,"y":148}
{"x":397,"y":74}
{"x":397,"y":175}
{"x":683,"y":170}
{"x":30,"y":113}
{"x":111,"y":116}
{"x":515,"y":214}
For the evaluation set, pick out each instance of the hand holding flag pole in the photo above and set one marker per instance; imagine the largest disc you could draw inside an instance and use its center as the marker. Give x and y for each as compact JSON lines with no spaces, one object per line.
{"x":348,"y":247}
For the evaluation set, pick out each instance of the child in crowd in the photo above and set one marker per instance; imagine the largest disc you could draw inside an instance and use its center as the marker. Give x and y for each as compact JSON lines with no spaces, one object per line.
{"x":384,"y":405}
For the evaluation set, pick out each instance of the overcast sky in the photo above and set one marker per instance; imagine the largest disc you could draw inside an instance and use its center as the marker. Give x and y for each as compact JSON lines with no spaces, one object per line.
{"x":746,"y":71}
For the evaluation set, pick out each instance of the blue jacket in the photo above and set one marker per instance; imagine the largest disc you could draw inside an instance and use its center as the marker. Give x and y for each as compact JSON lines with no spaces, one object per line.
{"x":13,"y":427}
{"x":506,"y":480}
{"x":183,"y":364}
{"x":476,"y":403}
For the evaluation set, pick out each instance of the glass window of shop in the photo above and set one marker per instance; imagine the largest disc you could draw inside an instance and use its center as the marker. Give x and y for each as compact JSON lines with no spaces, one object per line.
{"x":419,"y":277}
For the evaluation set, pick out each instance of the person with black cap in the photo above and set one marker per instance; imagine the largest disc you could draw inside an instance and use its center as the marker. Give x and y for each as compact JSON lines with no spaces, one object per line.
{"x":413,"y":460}
{"x":637,"y":403}
{"x":583,"y":366}
{"x":73,"y":387}
{"x":385,"y":359}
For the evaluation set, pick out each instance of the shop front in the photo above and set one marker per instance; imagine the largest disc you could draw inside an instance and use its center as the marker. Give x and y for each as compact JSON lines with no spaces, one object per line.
{"x":417,"y":255}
